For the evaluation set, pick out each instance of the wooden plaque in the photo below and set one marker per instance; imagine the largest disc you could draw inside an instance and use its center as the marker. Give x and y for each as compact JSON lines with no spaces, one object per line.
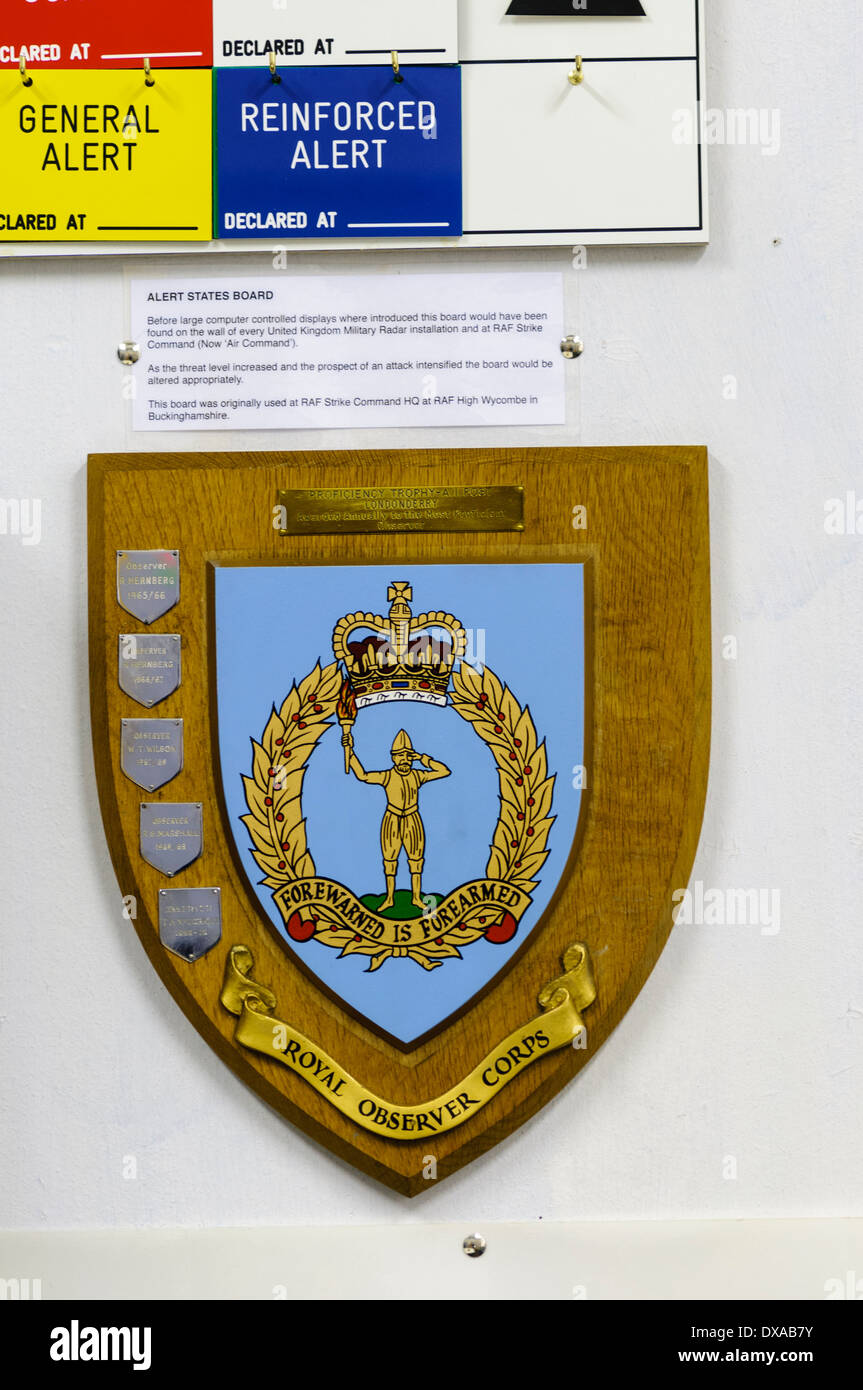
{"x":424,"y":790}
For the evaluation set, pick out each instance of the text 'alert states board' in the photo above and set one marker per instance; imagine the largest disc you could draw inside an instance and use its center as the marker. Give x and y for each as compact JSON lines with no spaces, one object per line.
{"x":572,"y":125}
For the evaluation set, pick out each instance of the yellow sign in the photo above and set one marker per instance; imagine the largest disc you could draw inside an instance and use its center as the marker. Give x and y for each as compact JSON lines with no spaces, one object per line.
{"x":102,"y":156}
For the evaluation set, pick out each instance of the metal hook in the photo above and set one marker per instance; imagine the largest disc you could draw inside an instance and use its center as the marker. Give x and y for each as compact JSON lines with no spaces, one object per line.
{"x":397,"y":74}
{"x":273,"y":74}
{"x":576,"y":77}
{"x":22,"y":68}
{"x":149,"y":79}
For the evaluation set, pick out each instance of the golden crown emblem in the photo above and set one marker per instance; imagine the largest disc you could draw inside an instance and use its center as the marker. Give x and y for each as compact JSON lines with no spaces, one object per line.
{"x":400,"y":657}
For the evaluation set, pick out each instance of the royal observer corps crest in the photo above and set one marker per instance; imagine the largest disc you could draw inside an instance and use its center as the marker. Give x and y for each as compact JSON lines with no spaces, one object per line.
{"x":399,"y":802}
{"x":376,"y":847}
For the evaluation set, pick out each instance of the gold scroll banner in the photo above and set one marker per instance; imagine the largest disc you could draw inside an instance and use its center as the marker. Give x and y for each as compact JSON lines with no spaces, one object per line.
{"x":465,"y":909}
{"x":557,"y":1026}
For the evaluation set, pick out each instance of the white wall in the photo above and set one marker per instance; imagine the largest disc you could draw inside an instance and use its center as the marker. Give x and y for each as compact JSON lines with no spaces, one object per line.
{"x":742,"y":1044}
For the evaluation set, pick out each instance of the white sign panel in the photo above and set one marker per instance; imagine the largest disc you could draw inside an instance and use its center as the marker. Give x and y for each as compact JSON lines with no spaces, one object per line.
{"x":594,"y":162}
{"x":333,"y":32}
{"x":348,"y":352}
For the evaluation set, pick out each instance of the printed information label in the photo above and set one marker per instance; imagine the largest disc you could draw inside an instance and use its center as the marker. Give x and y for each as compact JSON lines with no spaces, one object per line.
{"x":100,"y":156}
{"x":106,"y":33}
{"x":347,"y":352}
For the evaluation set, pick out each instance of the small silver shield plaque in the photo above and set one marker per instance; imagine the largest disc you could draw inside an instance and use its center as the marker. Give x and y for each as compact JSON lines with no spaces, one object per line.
{"x":149,"y":668}
{"x":172,"y":834}
{"x":190,"y":920}
{"x":148,"y":582}
{"x":152,"y":751}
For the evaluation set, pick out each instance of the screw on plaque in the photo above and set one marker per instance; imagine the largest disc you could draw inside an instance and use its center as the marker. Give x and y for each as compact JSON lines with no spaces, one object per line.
{"x":128,"y":353}
{"x":572,"y":347}
{"x":474,"y":1246}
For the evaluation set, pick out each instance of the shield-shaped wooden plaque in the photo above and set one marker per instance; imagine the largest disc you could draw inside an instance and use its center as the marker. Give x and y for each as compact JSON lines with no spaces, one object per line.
{"x":445,"y":719}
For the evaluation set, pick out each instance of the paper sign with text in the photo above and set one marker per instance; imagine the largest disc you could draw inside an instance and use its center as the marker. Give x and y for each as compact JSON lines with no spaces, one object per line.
{"x":106,"y":33}
{"x":334,"y":32}
{"x":348,"y":352}
{"x":100,"y":156}
{"x":339,"y":152}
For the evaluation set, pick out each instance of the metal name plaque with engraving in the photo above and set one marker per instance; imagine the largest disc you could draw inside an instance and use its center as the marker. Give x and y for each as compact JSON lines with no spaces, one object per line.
{"x":148,"y":582}
{"x":152,"y":751}
{"x":365,"y":510}
{"x":172,"y":834}
{"x":190,"y":920}
{"x":149,"y":666}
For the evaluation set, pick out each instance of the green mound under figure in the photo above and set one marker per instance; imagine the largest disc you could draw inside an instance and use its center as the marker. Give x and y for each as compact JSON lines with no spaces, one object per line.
{"x":402,"y":827}
{"x":404,"y":909}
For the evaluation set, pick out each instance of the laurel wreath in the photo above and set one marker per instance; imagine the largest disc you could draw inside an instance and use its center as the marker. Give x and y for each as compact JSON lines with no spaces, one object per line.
{"x":274,"y":791}
{"x":518,"y":848}
{"x":278,"y":829}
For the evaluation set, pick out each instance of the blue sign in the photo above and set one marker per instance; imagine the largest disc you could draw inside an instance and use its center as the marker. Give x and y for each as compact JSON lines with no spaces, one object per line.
{"x":338,"y":152}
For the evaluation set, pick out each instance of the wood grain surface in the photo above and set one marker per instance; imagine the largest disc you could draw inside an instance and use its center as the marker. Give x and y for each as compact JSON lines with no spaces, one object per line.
{"x":647,"y":740}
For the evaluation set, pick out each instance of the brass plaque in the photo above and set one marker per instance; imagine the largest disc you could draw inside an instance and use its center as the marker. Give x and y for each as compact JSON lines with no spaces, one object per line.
{"x":364,"y":510}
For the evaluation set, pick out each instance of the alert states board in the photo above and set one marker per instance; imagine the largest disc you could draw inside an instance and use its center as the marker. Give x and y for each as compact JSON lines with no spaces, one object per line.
{"x":537,"y":123}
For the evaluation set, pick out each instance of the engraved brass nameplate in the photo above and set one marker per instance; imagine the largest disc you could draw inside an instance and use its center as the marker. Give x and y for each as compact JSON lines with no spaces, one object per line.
{"x":364,"y":510}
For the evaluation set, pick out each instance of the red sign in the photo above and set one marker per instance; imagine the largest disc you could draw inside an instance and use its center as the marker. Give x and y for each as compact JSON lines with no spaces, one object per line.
{"x":106,"y":33}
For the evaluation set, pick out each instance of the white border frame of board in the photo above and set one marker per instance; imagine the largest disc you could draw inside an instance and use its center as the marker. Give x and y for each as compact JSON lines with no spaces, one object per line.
{"x":695,"y":234}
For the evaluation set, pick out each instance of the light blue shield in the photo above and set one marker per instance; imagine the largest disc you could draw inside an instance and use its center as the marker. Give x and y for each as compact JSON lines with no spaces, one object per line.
{"x":479,"y":670}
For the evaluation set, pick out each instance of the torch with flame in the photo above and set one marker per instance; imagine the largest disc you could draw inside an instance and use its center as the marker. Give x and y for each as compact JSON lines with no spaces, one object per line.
{"x":346,"y":713}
